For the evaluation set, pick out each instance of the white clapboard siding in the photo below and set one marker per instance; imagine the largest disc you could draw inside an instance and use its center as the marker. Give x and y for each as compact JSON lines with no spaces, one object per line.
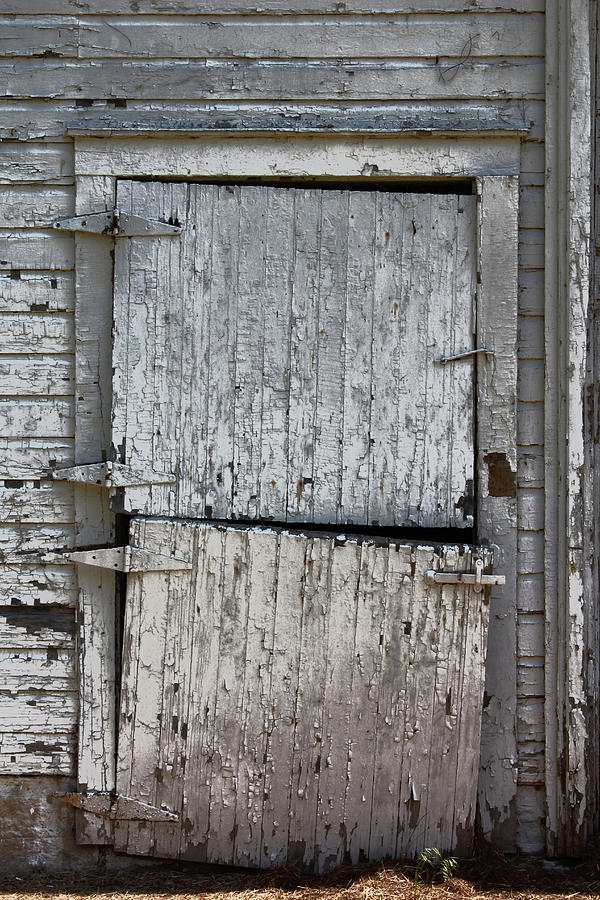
{"x":37,"y":753}
{"x":26,"y":248}
{"x":27,"y":584}
{"x":35,"y":629}
{"x":15,"y":540}
{"x":30,"y":458}
{"x":22,"y":162}
{"x":37,"y":670}
{"x":251,"y":7}
{"x":36,"y":292}
{"x":35,"y":206}
{"x":37,"y":417}
{"x":36,"y":502}
{"x":279,"y":357}
{"x":303,"y":699}
{"x":36,"y":119}
{"x":37,"y":376}
{"x":411,"y":79}
{"x":385,"y":37}
{"x":36,"y":333}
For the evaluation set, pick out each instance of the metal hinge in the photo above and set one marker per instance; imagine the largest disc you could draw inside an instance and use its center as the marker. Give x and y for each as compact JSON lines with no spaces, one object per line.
{"x":112,"y":475}
{"x":117,"y":807}
{"x":116,"y":223}
{"x":475,"y":579}
{"x":128,"y":559}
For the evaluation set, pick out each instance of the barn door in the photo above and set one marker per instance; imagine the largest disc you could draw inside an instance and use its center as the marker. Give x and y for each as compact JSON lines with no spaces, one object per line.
{"x":280,"y":359}
{"x":296,"y":696}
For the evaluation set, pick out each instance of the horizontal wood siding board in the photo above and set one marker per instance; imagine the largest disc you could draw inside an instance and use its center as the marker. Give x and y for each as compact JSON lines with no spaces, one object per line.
{"x":27,"y":162}
{"x":35,"y":333}
{"x":50,"y":629}
{"x":251,"y":7}
{"x":373,"y":158}
{"x":272,"y":80}
{"x":37,"y":417}
{"x":30,"y":458}
{"x":35,"y":206}
{"x":37,"y":119}
{"x":26,"y":584}
{"x":47,"y":502}
{"x":29,"y":248}
{"x":25,"y":291}
{"x":37,"y":753}
{"x":451,"y":36}
{"x":37,"y":376}
{"x":16,"y":540}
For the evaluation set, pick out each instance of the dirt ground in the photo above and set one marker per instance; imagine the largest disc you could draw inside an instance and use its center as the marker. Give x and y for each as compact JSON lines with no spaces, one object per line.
{"x":489,"y":875}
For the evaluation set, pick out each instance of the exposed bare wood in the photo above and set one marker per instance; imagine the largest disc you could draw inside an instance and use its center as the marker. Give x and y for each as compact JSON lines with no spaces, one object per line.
{"x":250,"y":7}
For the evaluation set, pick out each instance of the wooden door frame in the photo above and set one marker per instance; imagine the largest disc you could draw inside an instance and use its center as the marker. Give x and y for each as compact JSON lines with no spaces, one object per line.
{"x":493,"y":160}
{"x":572,"y":489}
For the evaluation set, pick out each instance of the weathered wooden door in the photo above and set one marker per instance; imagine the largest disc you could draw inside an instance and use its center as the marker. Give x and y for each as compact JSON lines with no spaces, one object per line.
{"x":297,"y":696}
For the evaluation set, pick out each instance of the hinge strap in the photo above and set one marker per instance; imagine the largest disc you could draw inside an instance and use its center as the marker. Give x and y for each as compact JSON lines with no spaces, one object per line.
{"x":112,"y":475}
{"x":117,"y":807}
{"x":115,"y":223}
{"x":128,"y":559}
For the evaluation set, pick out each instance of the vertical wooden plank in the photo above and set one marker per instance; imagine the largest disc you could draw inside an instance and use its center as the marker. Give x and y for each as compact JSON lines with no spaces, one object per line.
{"x":388,"y":380}
{"x":279,"y":237}
{"x":304,"y":328}
{"x":97,"y":613}
{"x":143,"y":697}
{"x":337,"y":706}
{"x":497,"y":503}
{"x":360,"y":229}
{"x":328,"y":435}
{"x":223,"y":292}
{"x":308,"y":735}
{"x":249,"y":354}
{"x":389,"y":741}
{"x":228,"y":729}
{"x":255,"y":711}
{"x":285,"y":672}
{"x":366,"y":678}
{"x":202,"y":693}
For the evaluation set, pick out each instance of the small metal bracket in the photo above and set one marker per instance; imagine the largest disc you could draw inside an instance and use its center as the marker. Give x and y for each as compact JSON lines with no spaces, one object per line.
{"x":115,"y":223}
{"x":118,"y":808}
{"x":112,"y":475}
{"x":128,"y":559}
{"x":477,"y":580}
{"x":464,"y":355}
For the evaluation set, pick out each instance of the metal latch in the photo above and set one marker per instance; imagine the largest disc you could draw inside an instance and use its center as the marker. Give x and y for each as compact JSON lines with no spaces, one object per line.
{"x":475,"y":579}
{"x":463,"y":355}
{"x":115,"y":223}
{"x":117,"y":807}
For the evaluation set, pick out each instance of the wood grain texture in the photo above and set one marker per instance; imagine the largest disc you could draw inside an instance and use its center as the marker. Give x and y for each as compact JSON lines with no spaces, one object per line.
{"x":299,"y":693}
{"x":404,"y":79}
{"x":250,"y":7}
{"x":296,"y":392}
{"x":274,"y":37}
